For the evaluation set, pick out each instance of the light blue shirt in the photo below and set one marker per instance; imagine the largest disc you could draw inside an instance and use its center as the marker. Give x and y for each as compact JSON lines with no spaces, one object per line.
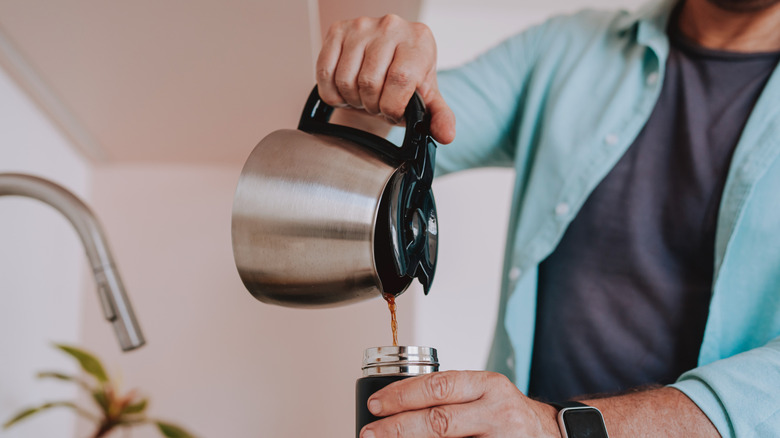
{"x":560,"y":103}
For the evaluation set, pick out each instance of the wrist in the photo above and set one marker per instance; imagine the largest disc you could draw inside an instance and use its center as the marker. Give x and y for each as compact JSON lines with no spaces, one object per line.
{"x":548,"y":420}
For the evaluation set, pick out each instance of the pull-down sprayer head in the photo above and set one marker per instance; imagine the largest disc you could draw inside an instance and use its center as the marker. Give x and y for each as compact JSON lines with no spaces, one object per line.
{"x":116,"y":306}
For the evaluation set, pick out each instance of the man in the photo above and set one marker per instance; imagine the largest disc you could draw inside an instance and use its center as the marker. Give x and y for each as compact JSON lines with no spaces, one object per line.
{"x":644,"y":257}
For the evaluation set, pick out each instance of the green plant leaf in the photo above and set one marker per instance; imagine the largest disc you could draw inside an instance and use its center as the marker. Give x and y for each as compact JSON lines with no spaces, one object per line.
{"x":55,"y":375}
{"x":88,"y":362}
{"x":129,"y":421}
{"x":102,"y":400}
{"x":135,"y":408}
{"x":31,"y":411}
{"x":65,"y":377}
{"x":21,"y":416}
{"x":172,"y":431}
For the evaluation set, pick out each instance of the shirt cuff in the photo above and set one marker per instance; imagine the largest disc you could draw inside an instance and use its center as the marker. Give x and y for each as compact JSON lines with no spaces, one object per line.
{"x":704,"y":397}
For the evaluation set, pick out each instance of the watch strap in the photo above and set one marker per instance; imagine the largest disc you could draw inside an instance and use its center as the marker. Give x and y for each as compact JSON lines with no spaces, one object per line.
{"x":568,"y":404}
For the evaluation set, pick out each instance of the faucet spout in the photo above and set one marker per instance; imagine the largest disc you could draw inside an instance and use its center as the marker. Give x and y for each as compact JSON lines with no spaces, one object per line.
{"x":116,"y":306}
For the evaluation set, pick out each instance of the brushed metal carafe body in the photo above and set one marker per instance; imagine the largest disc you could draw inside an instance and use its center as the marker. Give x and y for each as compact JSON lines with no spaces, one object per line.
{"x":304,"y":218}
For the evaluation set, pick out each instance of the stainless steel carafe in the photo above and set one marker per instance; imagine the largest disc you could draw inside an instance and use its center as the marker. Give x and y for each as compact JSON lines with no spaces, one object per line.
{"x":328,"y":214}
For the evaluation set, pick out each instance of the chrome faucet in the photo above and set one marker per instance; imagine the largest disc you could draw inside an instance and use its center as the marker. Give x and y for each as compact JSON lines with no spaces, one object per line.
{"x":116,"y":306}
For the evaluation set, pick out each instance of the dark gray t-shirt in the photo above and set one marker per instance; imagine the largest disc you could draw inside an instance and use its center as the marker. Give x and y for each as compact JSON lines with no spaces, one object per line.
{"x":624,"y":297}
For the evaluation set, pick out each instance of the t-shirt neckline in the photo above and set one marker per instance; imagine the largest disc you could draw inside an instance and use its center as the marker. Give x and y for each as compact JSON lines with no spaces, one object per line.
{"x":679,"y":40}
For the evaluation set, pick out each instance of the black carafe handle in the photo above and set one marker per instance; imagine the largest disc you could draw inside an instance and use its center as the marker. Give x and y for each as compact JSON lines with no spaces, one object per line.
{"x":315,"y":120}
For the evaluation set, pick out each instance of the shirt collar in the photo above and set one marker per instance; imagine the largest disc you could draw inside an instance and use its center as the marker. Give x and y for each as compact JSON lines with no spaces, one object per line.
{"x":650,"y":22}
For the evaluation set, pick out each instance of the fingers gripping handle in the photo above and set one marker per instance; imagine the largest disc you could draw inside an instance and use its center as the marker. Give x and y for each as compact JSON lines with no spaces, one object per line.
{"x":317,"y":113}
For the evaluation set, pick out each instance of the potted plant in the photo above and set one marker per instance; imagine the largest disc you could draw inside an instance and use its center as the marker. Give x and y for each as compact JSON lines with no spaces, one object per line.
{"x":115,"y":410}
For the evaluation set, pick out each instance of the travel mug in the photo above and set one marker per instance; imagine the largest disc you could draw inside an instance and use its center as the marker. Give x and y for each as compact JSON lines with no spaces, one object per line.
{"x":385,"y":365}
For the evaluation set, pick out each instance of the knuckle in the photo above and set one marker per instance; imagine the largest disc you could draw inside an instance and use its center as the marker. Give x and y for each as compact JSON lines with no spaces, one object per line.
{"x":324,"y":74}
{"x":390,"y":20}
{"x":401,"y":398}
{"x":343,"y":84}
{"x":368,"y":82}
{"x":400,"y":76}
{"x":335,"y":28}
{"x":398,"y":430}
{"x":362,"y":23}
{"x":440,"y":386}
{"x":421,"y":30}
{"x":495,"y":377}
{"x":499,"y":388}
{"x":498,"y":379}
{"x":505,"y":382}
{"x":439,"y":421}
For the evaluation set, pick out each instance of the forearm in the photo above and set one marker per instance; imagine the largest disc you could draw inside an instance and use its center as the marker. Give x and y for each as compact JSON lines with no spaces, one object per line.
{"x":658,"y":412}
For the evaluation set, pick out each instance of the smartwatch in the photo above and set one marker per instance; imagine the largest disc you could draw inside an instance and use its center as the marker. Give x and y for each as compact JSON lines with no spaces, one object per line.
{"x":578,"y":420}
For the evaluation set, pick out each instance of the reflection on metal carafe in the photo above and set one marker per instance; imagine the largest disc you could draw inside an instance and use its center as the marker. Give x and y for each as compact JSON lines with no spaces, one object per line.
{"x":327,"y":215}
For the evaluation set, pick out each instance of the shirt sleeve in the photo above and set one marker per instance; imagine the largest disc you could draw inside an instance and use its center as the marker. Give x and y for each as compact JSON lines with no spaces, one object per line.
{"x":486,"y":96}
{"x":739,"y":394}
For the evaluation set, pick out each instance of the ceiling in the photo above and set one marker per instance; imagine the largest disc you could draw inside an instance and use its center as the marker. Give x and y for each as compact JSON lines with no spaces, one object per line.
{"x":171,"y":81}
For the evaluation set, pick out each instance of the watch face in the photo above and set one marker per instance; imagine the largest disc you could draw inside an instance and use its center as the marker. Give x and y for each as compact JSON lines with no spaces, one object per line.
{"x":584,"y":423}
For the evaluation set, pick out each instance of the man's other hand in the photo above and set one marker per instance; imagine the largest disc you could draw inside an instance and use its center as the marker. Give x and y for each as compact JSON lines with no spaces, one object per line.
{"x":458,"y":404}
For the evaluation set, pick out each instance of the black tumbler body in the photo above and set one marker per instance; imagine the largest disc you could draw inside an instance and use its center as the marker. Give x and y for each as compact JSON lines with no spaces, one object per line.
{"x":364,"y":387}
{"x":385,"y":365}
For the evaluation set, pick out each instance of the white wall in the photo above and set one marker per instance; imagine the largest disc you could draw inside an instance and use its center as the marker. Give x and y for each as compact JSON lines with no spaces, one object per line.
{"x":42,"y":267}
{"x":459,"y":315}
{"x":464,"y":28}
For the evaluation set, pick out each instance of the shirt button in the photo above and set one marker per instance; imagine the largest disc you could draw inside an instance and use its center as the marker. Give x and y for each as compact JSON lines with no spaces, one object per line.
{"x":510,"y":362}
{"x":562,"y":209}
{"x":514,"y":273}
{"x":652,"y":78}
{"x":611,"y":139}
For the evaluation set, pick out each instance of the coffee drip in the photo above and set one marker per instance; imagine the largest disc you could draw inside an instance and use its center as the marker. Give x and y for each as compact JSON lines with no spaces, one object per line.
{"x":390,"y":298}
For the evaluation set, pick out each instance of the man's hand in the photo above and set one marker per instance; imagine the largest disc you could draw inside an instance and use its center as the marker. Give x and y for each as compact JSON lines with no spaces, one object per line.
{"x":377,"y":64}
{"x":484,"y":404}
{"x":458,"y":404}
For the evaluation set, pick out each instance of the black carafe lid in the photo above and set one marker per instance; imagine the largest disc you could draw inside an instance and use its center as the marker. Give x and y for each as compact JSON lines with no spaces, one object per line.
{"x":413,"y":223}
{"x":407,"y":214}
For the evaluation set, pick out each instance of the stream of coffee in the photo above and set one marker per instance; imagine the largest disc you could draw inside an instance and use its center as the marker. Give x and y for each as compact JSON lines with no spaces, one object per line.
{"x":390,"y":298}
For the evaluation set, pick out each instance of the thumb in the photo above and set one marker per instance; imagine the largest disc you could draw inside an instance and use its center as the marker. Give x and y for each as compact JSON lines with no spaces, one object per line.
{"x":442,"y":119}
